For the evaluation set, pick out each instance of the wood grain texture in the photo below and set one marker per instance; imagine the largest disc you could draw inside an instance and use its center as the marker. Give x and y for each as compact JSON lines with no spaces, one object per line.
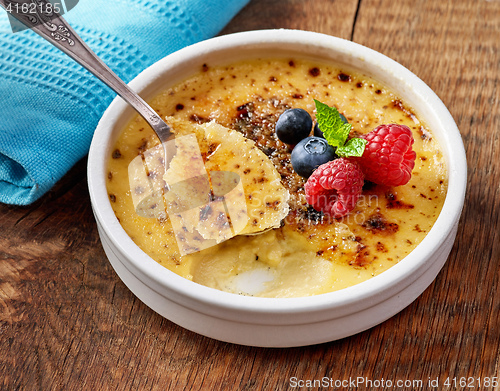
{"x":68,"y":323}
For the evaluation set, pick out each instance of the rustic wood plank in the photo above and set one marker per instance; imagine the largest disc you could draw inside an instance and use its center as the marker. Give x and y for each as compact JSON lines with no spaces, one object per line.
{"x":67,"y":321}
{"x":453,"y":47}
{"x":327,"y":16}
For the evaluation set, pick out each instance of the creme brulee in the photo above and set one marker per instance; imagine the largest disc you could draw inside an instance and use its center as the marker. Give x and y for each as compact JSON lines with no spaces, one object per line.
{"x":310,"y":253}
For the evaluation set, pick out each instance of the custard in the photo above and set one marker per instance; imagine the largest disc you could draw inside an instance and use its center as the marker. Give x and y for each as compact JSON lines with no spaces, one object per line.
{"x":310,"y":253}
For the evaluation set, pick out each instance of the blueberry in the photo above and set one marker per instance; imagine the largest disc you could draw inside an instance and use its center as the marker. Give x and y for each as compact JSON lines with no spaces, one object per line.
{"x":293,"y":125}
{"x":319,"y":133}
{"x":309,"y":154}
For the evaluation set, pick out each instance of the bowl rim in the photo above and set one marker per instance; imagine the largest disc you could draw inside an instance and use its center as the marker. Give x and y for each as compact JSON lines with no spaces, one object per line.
{"x":361,"y":295}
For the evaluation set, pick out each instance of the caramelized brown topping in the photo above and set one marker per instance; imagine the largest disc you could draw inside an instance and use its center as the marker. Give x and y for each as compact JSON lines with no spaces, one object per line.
{"x":344,"y":77}
{"x":394,"y":203}
{"x":378,"y":224}
{"x":314,"y":72}
{"x":362,"y":257}
{"x":198,"y":119}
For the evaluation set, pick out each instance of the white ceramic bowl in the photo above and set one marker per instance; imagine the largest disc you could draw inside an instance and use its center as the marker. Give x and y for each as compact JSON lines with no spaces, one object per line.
{"x":269,"y":321}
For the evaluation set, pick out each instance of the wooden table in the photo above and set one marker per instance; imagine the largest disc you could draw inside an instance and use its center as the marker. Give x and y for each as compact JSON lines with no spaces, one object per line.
{"x":68,"y":323}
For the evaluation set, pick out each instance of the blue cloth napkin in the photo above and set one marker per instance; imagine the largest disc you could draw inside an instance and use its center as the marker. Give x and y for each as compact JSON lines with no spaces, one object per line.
{"x":50,"y":105}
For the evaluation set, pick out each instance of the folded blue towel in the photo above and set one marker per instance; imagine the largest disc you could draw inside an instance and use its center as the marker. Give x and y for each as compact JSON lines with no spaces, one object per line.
{"x":50,"y":105}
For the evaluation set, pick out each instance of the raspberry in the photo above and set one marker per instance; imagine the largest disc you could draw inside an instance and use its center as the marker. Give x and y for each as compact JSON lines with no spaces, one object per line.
{"x":388,"y":158}
{"x":334,"y":187}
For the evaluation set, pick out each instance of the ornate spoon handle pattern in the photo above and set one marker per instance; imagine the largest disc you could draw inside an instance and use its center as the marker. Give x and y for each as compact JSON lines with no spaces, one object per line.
{"x":43,"y":17}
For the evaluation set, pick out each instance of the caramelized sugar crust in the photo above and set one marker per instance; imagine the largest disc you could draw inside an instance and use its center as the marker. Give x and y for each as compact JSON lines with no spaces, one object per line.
{"x":386,"y":225}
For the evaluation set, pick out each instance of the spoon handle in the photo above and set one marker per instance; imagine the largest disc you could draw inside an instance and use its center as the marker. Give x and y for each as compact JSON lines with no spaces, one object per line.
{"x":41,"y":17}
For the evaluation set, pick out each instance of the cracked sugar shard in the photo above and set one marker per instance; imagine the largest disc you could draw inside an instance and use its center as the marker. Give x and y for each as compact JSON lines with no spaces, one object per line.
{"x":207,"y":197}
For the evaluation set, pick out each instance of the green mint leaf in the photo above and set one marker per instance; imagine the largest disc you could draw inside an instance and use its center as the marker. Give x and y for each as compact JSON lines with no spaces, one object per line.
{"x":354,"y":147}
{"x":334,"y":129}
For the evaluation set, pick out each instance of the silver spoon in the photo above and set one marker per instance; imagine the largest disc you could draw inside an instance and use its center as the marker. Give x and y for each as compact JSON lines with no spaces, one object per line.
{"x":41,"y":18}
